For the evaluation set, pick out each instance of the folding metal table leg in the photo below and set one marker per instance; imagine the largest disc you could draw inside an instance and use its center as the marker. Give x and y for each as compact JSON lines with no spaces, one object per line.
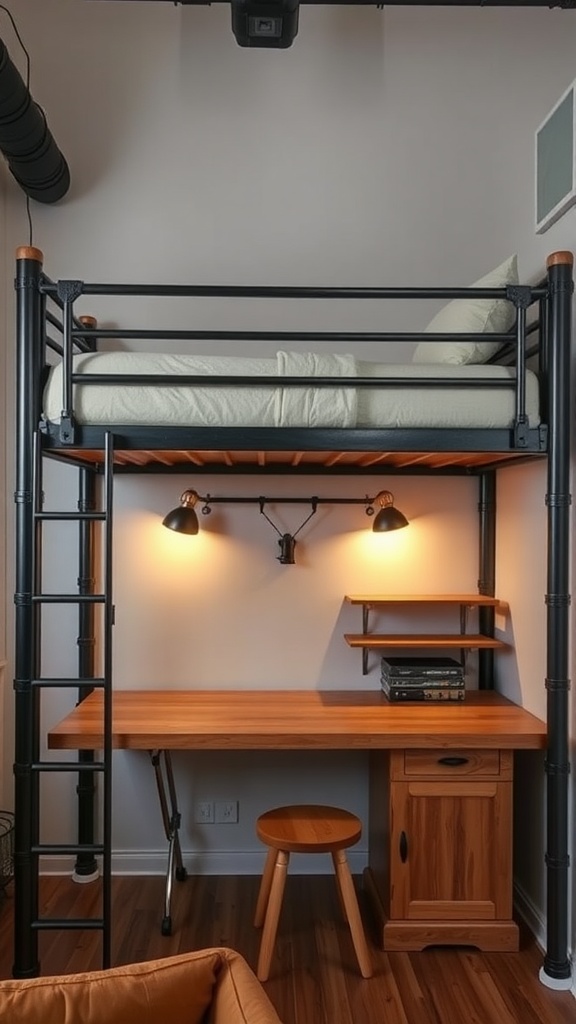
{"x":162,"y":763}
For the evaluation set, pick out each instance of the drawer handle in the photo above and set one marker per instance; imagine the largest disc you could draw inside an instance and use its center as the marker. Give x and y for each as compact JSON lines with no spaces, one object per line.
{"x":453,"y":762}
{"x":403,"y":847}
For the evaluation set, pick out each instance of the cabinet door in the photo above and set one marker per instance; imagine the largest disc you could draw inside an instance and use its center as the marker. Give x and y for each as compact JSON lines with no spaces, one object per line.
{"x":451,"y":850}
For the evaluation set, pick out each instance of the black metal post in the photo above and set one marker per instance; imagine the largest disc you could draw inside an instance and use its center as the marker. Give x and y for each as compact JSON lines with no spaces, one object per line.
{"x":556,"y":968}
{"x":487,"y":568}
{"x":29,"y":363}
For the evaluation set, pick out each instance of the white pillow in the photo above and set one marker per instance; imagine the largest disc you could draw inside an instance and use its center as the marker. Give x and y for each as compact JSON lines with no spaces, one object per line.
{"x":476,"y":316}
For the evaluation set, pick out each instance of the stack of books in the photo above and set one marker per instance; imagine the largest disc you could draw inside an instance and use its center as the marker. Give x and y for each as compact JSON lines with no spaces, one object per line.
{"x":423,"y":679}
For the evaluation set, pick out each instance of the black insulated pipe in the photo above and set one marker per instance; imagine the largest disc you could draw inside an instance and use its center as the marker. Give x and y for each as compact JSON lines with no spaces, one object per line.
{"x":25,"y":140}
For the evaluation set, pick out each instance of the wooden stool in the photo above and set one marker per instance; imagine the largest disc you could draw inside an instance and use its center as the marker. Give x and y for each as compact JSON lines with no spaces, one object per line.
{"x":306,"y":828}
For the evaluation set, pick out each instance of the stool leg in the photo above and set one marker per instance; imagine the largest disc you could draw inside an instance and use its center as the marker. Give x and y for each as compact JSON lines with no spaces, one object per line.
{"x":340,"y":899}
{"x":352,"y":912}
{"x":272,"y":914}
{"x":264,"y":891}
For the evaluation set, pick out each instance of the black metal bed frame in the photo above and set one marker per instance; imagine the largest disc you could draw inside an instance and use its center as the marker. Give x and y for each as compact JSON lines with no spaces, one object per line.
{"x":36,"y":438}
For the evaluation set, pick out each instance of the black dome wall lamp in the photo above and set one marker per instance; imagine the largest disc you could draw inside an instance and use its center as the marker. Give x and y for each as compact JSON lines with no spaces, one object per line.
{"x":388,"y":517}
{"x":183,"y":519}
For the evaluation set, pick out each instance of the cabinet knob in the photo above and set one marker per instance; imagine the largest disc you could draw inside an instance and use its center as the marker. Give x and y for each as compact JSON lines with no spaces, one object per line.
{"x":403,"y":847}
{"x":453,"y":762}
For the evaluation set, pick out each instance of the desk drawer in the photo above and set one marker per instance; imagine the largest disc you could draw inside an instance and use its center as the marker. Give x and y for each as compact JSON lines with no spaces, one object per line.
{"x":451,"y":763}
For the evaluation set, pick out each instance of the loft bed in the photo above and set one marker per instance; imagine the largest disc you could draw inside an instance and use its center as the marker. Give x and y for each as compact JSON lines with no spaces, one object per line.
{"x":506,"y":401}
{"x":212,"y":411}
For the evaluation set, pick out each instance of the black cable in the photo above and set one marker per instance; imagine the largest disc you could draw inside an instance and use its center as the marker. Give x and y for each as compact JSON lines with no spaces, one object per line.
{"x":30,"y":228}
{"x":19,"y":38}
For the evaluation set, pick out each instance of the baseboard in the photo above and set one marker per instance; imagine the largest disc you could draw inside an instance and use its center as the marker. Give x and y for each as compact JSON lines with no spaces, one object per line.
{"x":532,"y":916}
{"x":215,"y":862}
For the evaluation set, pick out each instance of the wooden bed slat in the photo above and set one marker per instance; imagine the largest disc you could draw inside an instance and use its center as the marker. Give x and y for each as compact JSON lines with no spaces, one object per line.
{"x":289,"y":459}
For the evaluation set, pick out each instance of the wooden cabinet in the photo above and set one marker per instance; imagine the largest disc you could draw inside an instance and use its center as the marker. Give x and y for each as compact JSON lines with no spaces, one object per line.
{"x":440,"y":848}
{"x":440,"y":835}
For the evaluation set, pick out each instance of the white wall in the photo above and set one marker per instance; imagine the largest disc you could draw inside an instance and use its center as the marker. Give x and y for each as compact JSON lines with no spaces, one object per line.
{"x":389,"y":147}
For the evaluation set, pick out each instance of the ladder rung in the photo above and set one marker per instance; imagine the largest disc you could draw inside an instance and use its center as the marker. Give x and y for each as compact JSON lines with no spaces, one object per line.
{"x":68,"y":598}
{"x":99,"y":682}
{"x":67,"y":766}
{"x":80,"y":517}
{"x":68,"y":923}
{"x":57,"y":849}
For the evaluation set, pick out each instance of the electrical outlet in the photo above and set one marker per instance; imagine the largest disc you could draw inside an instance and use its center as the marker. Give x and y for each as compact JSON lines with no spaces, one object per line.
{"x":204,"y":812}
{"x":226,"y":812}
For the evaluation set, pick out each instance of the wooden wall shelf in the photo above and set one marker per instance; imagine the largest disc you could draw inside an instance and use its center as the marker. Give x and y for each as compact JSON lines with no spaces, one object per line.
{"x":462,"y":640}
{"x":470,"y":641}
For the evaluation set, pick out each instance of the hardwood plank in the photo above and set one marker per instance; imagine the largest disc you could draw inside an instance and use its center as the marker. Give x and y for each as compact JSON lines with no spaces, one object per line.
{"x":485,"y":989}
{"x":417,"y":1006}
{"x":316,"y":977}
{"x":526,"y":1002}
{"x":306,"y":984}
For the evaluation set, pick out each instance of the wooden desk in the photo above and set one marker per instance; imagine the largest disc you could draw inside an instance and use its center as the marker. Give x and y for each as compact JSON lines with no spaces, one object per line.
{"x":440,"y":830}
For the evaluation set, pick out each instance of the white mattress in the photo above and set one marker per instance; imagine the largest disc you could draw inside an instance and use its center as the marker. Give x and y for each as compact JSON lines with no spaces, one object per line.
{"x":277,"y":406}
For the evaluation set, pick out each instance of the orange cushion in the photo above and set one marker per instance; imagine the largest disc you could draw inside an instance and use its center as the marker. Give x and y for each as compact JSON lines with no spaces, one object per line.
{"x":176,"y":989}
{"x":239,"y":996}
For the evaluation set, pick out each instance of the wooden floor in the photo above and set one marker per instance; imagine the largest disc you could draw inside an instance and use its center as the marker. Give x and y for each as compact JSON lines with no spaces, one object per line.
{"x":314,"y":977}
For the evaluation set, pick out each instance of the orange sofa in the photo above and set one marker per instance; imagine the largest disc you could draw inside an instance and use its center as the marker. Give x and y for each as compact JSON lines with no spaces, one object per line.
{"x":211,"y":986}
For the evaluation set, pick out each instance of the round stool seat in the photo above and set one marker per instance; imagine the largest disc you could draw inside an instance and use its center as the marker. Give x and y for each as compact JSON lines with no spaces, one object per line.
{"x":308,"y":828}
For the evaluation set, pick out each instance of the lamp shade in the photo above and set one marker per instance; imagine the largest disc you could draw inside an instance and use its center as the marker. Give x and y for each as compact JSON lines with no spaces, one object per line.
{"x":388,"y":517}
{"x":183,"y":519}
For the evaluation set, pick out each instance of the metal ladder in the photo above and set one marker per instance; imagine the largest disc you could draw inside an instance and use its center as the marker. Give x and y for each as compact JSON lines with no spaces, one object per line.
{"x":29,"y":681}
